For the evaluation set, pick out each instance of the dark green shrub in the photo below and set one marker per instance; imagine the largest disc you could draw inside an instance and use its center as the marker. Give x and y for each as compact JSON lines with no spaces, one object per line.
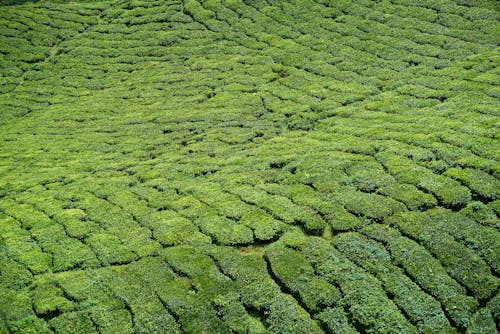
{"x":295,"y":272}
{"x":363,"y":294}
{"x":208,"y":280}
{"x":335,"y":320}
{"x":286,"y":316}
{"x":480,"y":239}
{"x":264,"y":226}
{"x":25,"y":214}
{"x":427,"y":272}
{"x":368,"y":176}
{"x":23,"y":249}
{"x":113,"y":321}
{"x":29,"y":325}
{"x":481,"y":213}
{"x":194,"y":314}
{"x":485,"y":185}
{"x":494,"y":306}
{"x":224,"y":231}
{"x":234,"y":314}
{"x":368,"y":205}
{"x":169,"y":228}
{"x":15,"y":305}
{"x":137,"y":238}
{"x":109,"y":249}
{"x":14,"y":274}
{"x":460,"y":262}
{"x":148,"y":313}
{"x":260,"y":292}
{"x":332,"y":212}
{"x":76,"y":322}
{"x":104,"y":213}
{"x":413,"y":198}
{"x":196,"y":10}
{"x":281,"y":207}
{"x":495,"y":206}
{"x":48,"y":298}
{"x":482,"y":322}
{"x":447,"y":191}
{"x":420,"y":308}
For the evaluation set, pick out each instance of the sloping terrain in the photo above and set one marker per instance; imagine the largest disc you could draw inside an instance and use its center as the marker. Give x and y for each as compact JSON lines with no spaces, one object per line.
{"x":229,"y":166}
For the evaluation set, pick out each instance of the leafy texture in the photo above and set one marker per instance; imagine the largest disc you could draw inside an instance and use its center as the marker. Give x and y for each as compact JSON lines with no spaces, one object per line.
{"x":229,"y":166}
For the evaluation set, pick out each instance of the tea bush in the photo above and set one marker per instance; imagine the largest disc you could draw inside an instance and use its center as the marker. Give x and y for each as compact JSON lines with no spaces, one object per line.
{"x":228,"y":166}
{"x":421,"y":308}
{"x":471,"y":271}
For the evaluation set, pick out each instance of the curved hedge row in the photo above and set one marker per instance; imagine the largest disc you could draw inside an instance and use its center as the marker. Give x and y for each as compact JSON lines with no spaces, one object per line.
{"x":229,"y":166}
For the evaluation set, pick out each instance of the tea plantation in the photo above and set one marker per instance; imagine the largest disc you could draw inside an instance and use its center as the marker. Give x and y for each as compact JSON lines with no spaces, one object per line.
{"x":250,"y":166}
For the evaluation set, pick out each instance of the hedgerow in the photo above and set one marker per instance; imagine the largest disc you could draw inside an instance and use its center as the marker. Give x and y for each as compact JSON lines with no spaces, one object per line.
{"x":109,"y":249}
{"x":427,"y":272}
{"x":364,"y":304}
{"x":413,"y":198}
{"x":423,"y":310}
{"x":470,"y":270}
{"x":481,"y":213}
{"x":261,"y":292}
{"x":296,"y":274}
{"x":479,"y":239}
{"x":228,"y":166}
{"x":448,"y":191}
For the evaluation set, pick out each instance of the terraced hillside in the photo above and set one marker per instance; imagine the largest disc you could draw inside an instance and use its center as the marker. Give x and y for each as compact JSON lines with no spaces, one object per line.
{"x":250,"y":166}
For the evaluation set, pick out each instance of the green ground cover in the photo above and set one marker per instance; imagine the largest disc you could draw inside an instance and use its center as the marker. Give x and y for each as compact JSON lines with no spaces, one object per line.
{"x":236,"y":166}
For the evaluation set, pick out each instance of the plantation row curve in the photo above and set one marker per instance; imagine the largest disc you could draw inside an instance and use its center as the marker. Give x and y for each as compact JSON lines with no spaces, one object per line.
{"x":250,"y":166}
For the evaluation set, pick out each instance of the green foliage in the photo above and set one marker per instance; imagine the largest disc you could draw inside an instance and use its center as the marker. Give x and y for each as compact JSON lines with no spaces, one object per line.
{"x":67,"y":253}
{"x":15,"y":304}
{"x":109,"y":249}
{"x":468,"y":268}
{"x":171,"y":229}
{"x":234,"y":314}
{"x":480,"y":239}
{"x":369,"y":205}
{"x":113,"y":321}
{"x":286,"y":317}
{"x":413,"y":198}
{"x":481,"y":213}
{"x":195,"y":316}
{"x":29,"y":325}
{"x":421,"y":308}
{"x":368,"y":177}
{"x":448,"y":191}
{"x":336,"y":321}
{"x":14,"y":274}
{"x":23,"y":248}
{"x":265,"y":227}
{"x":338,"y":217}
{"x":482,"y":322}
{"x":296,"y":273}
{"x":48,"y":298}
{"x":282,"y":208}
{"x":224,"y":231}
{"x":427,"y":272}
{"x":259,"y":291}
{"x":77,"y":322}
{"x":494,"y":305}
{"x":478,"y":181}
{"x":365,"y":304}
{"x":228,"y":166}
